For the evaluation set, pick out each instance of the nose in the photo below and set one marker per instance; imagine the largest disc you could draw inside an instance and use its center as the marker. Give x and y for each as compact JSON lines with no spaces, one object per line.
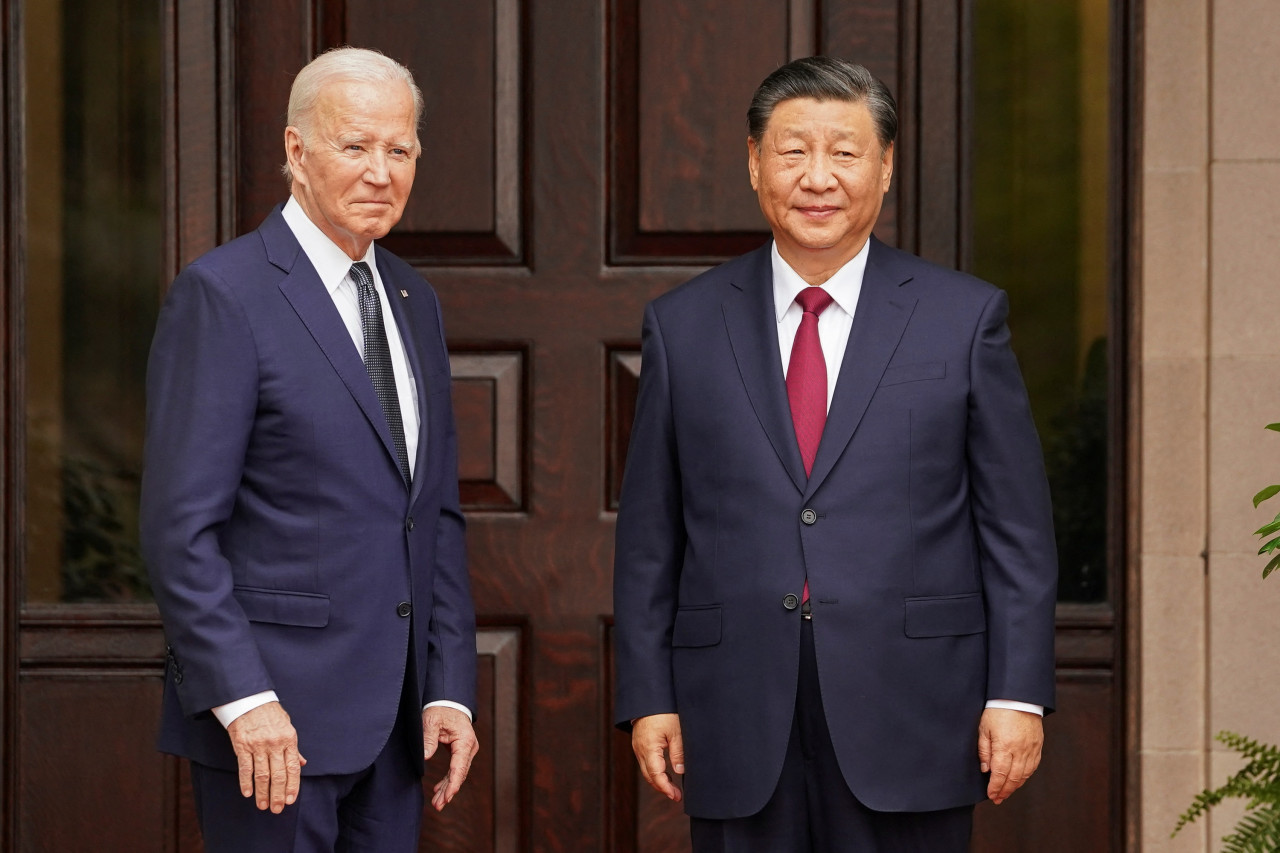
{"x":378,"y":171}
{"x":818,"y":175}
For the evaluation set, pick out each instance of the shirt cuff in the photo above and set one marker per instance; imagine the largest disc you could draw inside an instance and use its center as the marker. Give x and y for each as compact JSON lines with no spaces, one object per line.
{"x":1010,"y":705}
{"x":445,"y":703}
{"x":228,"y":713}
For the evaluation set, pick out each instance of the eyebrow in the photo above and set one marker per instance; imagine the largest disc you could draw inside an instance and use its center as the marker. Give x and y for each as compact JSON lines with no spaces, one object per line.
{"x":793,"y":131}
{"x":345,"y":139}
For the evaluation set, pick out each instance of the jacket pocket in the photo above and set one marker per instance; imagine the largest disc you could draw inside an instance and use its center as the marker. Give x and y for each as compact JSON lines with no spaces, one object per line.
{"x":696,"y":627}
{"x":945,"y":615}
{"x":898,"y":374}
{"x":283,"y":607}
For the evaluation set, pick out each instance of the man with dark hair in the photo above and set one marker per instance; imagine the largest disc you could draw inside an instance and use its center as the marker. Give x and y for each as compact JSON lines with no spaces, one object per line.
{"x":300,"y":516}
{"x":835,"y":572}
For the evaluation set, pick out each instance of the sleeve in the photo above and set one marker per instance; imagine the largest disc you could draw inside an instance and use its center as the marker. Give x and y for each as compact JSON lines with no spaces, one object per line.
{"x":451,"y":657}
{"x":650,"y":544}
{"x":202,"y":388}
{"x":1012,"y":515}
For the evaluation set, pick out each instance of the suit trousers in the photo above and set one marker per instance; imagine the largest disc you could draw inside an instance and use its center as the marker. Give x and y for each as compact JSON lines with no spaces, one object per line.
{"x":813,"y":811}
{"x":377,"y":810}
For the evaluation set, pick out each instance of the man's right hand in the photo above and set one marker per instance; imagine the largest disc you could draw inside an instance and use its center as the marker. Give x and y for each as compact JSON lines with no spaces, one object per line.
{"x":650,"y":737}
{"x":267,"y":756}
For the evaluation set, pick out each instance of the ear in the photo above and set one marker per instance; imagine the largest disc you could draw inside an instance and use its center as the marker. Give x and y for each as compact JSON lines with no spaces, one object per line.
{"x":753,"y":163}
{"x":293,"y":151}
{"x":886,"y":168}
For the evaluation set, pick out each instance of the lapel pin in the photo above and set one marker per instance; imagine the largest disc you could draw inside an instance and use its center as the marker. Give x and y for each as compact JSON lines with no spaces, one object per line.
{"x":404,"y":294}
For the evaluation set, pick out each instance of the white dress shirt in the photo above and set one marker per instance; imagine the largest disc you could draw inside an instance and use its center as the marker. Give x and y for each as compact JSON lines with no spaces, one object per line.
{"x":834,"y":325}
{"x":334,"y":268}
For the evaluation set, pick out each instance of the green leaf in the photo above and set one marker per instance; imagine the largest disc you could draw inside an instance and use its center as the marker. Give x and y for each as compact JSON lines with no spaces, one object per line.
{"x":1268,"y":492}
{"x":1271,"y":567}
{"x":1270,"y":546}
{"x":1275,"y":427}
{"x":1268,"y":529}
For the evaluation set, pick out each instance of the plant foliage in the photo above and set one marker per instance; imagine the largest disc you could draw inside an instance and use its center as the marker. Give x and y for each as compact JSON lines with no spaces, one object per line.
{"x":1258,"y":831}
{"x":1272,"y":528}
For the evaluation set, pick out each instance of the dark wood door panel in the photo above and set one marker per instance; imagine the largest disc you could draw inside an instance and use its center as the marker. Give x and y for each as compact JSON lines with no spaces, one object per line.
{"x":90,"y":777}
{"x":87,"y":778}
{"x":680,"y":80}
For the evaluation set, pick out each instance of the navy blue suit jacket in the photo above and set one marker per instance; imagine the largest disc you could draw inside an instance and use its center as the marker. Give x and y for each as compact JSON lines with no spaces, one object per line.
{"x":929,"y":546}
{"x":280,"y":537}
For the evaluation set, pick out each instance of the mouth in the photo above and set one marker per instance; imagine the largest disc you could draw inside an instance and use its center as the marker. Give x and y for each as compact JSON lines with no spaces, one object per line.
{"x":818,"y":211}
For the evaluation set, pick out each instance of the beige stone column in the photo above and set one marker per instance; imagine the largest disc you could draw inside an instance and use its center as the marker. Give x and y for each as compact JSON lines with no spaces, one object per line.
{"x":1208,"y":380}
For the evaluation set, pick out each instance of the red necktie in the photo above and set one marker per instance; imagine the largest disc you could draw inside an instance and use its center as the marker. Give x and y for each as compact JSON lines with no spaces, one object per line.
{"x":807,"y":381}
{"x":807,"y":376}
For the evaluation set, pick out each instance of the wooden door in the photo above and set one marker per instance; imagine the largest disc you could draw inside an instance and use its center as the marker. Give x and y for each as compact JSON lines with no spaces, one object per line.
{"x":580,"y":158}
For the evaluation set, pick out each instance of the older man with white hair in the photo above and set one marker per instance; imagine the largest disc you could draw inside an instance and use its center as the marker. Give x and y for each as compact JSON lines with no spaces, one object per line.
{"x":300,"y":513}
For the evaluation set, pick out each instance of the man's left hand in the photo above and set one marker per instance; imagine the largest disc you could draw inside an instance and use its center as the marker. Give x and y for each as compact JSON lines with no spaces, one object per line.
{"x":442,"y":724}
{"x":1009,"y":744}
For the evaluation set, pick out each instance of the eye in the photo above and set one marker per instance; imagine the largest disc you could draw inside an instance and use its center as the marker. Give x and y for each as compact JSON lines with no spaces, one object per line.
{"x":355,"y":146}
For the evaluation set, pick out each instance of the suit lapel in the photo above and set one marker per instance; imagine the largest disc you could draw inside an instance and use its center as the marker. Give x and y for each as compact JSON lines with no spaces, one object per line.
{"x":751,"y":322}
{"x":878,"y":323}
{"x":314,"y":307}
{"x":415,"y":322}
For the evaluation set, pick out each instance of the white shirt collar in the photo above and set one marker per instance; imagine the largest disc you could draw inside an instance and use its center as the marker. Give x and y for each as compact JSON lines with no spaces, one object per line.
{"x":331,"y":263}
{"x":844,"y":286}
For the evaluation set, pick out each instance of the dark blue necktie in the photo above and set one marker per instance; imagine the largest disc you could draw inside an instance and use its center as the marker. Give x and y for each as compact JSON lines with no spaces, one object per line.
{"x":377,"y":360}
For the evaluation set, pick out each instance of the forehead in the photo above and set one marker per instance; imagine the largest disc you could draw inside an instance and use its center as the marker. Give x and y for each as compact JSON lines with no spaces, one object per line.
{"x":344,"y":102}
{"x":828,"y":118}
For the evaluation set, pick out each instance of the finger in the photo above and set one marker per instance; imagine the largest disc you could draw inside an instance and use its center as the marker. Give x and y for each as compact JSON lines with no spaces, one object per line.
{"x":293,"y":778}
{"x":279,"y":780}
{"x":984,"y":750}
{"x":244,"y":764}
{"x":1001,"y":763}
{"x":459,"y":766}
{"x":440,"y":797}
{"x":676,"y":751}
{"x":1012,"y":782}
{"x":430,"y":737}
{"x":655,"y":769}
{"x":1033,"y":763}
{"x":261,"y":780}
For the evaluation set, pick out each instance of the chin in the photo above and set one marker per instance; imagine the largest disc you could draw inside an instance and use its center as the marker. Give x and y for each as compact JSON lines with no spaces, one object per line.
{"x":817,"y":244}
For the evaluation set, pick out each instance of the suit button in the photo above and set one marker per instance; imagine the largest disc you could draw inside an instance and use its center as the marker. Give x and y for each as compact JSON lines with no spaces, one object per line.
{"x":177,"y":676}
{"x":403,"y":608}
{"x":791,"y":601}
{"x":809,"y":516}
{"x":408,"y":525}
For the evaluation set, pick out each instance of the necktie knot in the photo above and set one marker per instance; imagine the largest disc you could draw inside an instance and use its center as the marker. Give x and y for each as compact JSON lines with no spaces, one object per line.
{"x":361,"y":275}
{"x":814,"y":300}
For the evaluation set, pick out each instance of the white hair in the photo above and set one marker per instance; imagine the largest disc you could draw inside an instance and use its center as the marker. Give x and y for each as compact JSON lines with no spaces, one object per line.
{"x":343,"y":63}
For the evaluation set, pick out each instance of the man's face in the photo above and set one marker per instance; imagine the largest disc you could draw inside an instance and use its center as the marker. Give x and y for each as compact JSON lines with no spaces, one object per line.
{"x":353,"y":178}
{"x":821,"y":178}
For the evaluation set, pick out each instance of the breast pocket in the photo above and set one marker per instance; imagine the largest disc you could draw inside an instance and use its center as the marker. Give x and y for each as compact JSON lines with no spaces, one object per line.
{"x":900,"y":373}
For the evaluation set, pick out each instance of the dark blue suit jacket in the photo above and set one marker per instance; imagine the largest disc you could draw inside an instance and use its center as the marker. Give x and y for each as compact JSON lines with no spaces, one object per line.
{"x":280,"y":537}
{"x":929,"y":549}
